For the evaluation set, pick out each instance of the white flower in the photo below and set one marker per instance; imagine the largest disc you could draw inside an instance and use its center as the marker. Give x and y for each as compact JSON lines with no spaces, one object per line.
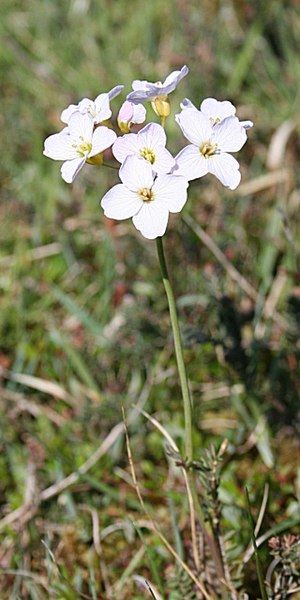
{"x":215,"y":110}
{"x":130,"y":114}
{"x":210,"y":144}
{"x":145,"y":91}
{"x":144,"y":197}
{"x":98,"y":109}
{"x":149,"y":144}
{"x":77,"y":144}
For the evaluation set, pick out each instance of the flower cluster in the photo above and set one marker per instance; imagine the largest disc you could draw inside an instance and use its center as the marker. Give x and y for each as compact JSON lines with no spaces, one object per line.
{"x":154,"y":183}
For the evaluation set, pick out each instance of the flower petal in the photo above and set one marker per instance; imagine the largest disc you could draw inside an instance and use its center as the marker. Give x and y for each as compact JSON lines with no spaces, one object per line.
{"x":229,"y":135}
{"x":124,"y":146}
{"x":59,"y":146}
{"x":190,"y":163}
{"x":186,"y":103}
{"x":226,"y":169}
{"x":115,"y":91}
{"x":164,"y":161}
{"x":103,"y":138}
{"x":196,"y":127}
{"x":81,"y":127}
{"x":102,"y":108}
{"x":66,"y":114}
{"x":173,"y":79}
{"x":151,"y":136}
{"x":213,"y":109}
{"x":120,"y":203}
{"x":152,"y":219}
{"x":171,"y":190}
{"x":70,"y":169}
{"x":136,"y":173}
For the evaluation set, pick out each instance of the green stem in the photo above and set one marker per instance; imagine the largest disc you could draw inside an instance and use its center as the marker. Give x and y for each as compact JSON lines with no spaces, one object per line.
{"x":187,"y":404}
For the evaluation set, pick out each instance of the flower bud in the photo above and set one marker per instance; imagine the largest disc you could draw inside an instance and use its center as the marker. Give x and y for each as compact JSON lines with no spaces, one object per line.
{"x":161,"y":106}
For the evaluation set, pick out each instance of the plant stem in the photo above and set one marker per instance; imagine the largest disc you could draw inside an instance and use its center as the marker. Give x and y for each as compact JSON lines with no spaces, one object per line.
{"x":187,"y":404}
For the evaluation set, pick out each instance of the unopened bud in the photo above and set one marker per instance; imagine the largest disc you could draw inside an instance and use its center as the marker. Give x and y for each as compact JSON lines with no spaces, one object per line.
{"x":161,"y":106}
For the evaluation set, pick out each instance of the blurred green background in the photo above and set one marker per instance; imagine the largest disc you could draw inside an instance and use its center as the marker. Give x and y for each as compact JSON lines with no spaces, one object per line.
{"x":82,"y":304}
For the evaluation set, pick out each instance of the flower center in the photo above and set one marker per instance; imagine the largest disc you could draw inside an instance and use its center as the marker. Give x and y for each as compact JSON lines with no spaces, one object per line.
{"x":83,"y":148}
{"x":207,"y":149}
{"x":146,"y":194}
{"x":148,"y":154}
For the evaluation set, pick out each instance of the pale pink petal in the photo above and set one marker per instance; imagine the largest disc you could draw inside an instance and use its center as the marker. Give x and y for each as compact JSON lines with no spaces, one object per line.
{"x":229,"y":135}
{"x":70,"y":169}
{"x":126,"y":112}
{"x":171,"y":190}
{"x":59,"y":146}
{"x":152,"y":219}
{"x":151,"y":136}
{"x":213,"y":109}
{"x":196,"y":127}
{"x":164,"y":161}
{"x":136,"y":173}
{"x":190,"y":163}
{"x":120,"y":203}
{"x":81,"y":127}
{"x":124,"y":146}
{"x":225,"y":168}
{"x":103,"y":138}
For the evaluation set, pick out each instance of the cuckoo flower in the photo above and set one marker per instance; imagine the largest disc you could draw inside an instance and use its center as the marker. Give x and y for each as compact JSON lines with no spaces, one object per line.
{"x":215,"y":110}
{"x":98,"y":109}
{"x":77,"y":144}
{"x":149,"y":144}
{"x":146,"y":198}
{"x":143,"y":91}
{"x":130,"y":114}
{"x":209,"y":148}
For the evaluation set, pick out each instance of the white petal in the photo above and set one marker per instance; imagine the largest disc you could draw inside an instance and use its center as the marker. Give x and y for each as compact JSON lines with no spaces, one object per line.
{"x":137,"y":84}
{"x":66,"y":114}
{"x":120,"y":203}
{"x":115,"y":91}
{"x":196,"y":127}
{"x":164,"y":161}
{"x":59,"y":146}
{"x":152,"y":219}
{"x":151,"y":136}
{"x":190,"y":163}
{"x":139,"y":114}
{"x":103,"y":138}
{"x":246,"y":124}
{"x":102,"y":108}
{"x":136,"y":173}
{"x":229,"y":135}
{"x":126,"y":145}
{"x":172,"y":191}
{"x":141,"y":96}
{"x":173,"y":79}
{"x":70,"y":169}
{"x":81,"y":127}
{"x":186,"y":103}
{"x":226,"y":169}
{"x":213,"y":109}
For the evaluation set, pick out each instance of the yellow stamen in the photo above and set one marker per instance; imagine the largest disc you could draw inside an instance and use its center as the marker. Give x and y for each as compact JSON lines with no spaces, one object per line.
{"x":208,"y":149}
{"x":148,"y":154}
{"x":146,"y":194}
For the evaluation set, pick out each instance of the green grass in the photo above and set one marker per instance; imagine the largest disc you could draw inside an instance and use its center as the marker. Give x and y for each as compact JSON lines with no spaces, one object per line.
{"x":90,"y":314}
